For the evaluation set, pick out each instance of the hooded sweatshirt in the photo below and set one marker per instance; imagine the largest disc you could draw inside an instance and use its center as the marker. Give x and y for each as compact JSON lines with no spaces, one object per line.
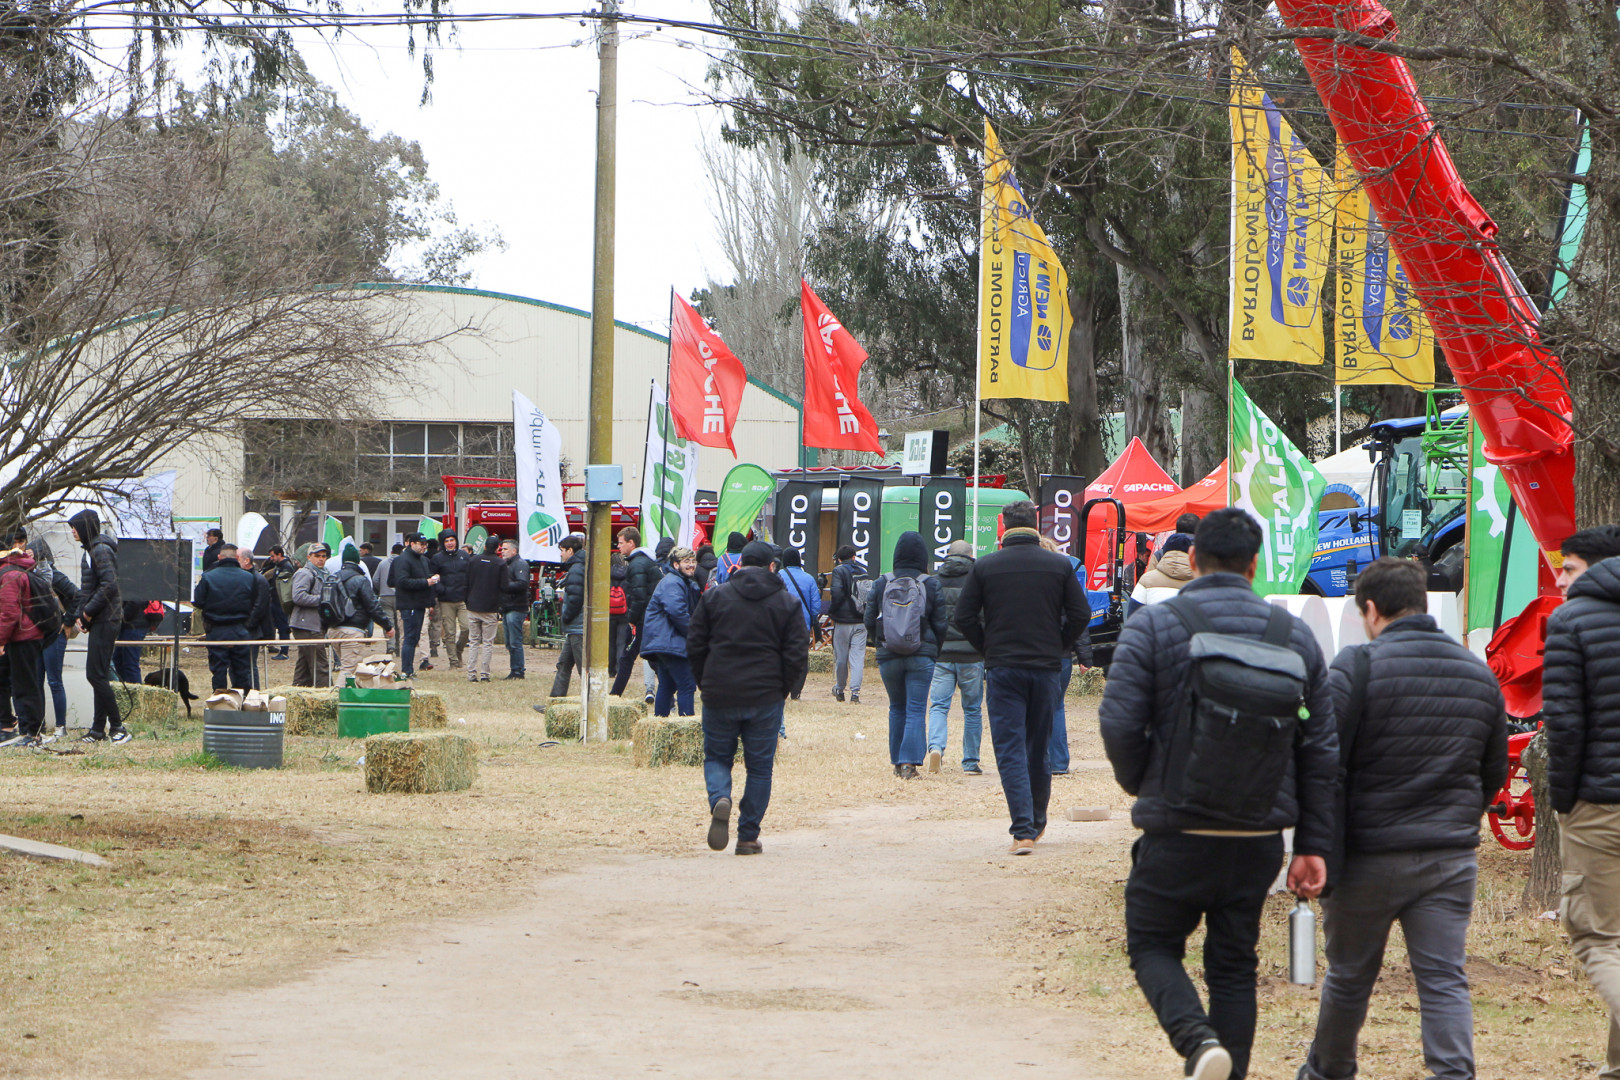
{"x":751,"y":630}
{"x":910,"y":560}
{"x":15,"y":625}
{"x":61,"y":584}
{"x":98,"y":581}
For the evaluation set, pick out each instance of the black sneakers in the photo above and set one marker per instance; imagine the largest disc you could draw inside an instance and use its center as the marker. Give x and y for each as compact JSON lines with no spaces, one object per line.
{"x":838,"y":695}
{"x":719,"y":825}
{"x":1209,"y":1062}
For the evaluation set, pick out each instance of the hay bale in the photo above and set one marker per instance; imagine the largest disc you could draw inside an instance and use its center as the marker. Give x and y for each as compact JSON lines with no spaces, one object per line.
{"x":150,"y":708}
{"x":310,"y":710}
{"x":418,"y":762}
{"x":821,"y":660}
{"x":562,"y":721}
{"x":562,"y":718}
{"x":1088,"y":683}
{"x":428,"y":711}
{"x":663,"y":741}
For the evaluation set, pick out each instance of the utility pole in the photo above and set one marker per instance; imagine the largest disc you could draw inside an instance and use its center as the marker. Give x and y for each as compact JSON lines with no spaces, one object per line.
{"x":599,"y":445}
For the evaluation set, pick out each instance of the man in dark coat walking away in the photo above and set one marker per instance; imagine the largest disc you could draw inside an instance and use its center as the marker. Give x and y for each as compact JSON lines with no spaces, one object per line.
{"x":749,"y":650}
{"x":1423,"y":740}
{"x":225,"y":595}
{"x":1022,"y":609}
{"x":641,"y":578}
{"x":907,"y":671}
{"x":1581,"y":708}
{"x":847,"y":609}
{"x":572,"y":653}
{"x":1188,"y":866}
{"x":99,"y":618}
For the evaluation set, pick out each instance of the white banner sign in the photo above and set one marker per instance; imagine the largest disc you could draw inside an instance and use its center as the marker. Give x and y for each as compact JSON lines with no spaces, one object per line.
{"x":144,"y":508}
{"x":542,"y":518}
{"x":669,"y":480}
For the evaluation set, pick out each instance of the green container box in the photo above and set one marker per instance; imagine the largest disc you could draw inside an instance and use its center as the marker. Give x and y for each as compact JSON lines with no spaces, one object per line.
{"x":374,"y":695}
{"x":358,"y":721}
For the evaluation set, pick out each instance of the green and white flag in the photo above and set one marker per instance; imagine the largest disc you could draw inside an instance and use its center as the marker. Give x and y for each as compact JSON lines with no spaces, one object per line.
{"x":742,"y":497}
{"x":542,"y":518}
{"x":1503,"y":556}
{"x":669,"y":481}
{"x":1276,"y":483}
{"x":332,"y":537}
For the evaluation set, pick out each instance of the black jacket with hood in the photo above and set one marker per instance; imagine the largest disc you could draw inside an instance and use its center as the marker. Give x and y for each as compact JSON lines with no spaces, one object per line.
{"x":1022,"y":606}
{"x":910,"y":560}
{"x":1580,"y":691}
{"x":747,"y":642}
{"x":98,"y":582}
{"x":411,"y":570}
{"x":452,"y":567}
{"x":485,"y":577}
{"x":842,"y":605}
{"x":952,"y":575}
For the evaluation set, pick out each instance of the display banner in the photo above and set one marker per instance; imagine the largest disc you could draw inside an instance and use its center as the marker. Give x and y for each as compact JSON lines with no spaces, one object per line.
{"x":668,"y":478}
{"x":706,"y":380}
{"x":1503,"y":556}
{"x":834,"y":418}
{"x":1062,"y":499}
{"x":1024,"y":318}
{"x":860,"y":520}
{"x":942,"y":510}
{"x":742,"y":495}
{"x":1276,"y":483}
{"x":1380,"y":332}
{"x":1281,"y":227}
{"x":798,"y":521}
{"x":538,"y":444}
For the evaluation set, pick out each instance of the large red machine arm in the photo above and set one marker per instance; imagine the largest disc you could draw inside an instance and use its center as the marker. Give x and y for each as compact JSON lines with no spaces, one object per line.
{"x":1515,"y":388}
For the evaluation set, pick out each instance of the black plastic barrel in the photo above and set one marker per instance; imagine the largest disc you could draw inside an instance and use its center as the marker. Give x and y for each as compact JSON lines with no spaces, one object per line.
{"x":252,"y":740}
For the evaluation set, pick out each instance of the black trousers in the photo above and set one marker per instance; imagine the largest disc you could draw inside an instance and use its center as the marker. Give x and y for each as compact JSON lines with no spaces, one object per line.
{"x":627,"y":661}
{"x":569,"y":657}
{"x":231,"y":668}
{"x":1176,"y":880}
{"x":27,"y":660}
{"x":98,"y":673}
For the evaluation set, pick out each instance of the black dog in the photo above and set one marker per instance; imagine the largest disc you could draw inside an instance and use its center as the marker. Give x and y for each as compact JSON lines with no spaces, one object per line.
{"x":166,"y":677}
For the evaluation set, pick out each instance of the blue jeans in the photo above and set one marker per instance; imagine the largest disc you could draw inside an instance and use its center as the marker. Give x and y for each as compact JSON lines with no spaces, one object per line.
{"x":410,"y":629}
{"x":948,"y":676}
{"x":1057,"y":748}
{"x":675,"y":683}
{"x":53,"y":677}
{"x":127,"y":658}
{"x":1021,"y":702}
{"x":513,"y":623}
{"x":906,"y":678}
{"x":757,"y":728}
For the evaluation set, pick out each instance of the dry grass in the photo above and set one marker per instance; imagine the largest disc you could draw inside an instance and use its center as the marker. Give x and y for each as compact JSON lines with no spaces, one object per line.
{"x":225,"y":877}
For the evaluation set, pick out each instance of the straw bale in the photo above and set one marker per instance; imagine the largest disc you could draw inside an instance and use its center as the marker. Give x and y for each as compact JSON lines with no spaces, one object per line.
{"x":416,"y":762}
{"x":562,"y":718}
{"x":1088,"y":683}
{"x":428,"y":710}
{"x":663,"y":741}
{"x":310,"y":710}
{"x":151,"y":708}
{"x":562,"y":721}
{"x":821,"y":660}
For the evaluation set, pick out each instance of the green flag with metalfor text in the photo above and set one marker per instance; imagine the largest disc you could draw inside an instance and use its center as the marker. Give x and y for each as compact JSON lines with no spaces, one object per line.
{"x":1275,"y":482}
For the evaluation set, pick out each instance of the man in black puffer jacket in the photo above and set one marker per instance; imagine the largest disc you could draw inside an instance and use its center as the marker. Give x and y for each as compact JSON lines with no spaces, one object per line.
{"x":99,"y":618}
{"x":1581,"y":707}
{"x":641,"y":578}
{"x":1426,"y":740}
{"x":1185,"y":868}
{"x":451,"y":563}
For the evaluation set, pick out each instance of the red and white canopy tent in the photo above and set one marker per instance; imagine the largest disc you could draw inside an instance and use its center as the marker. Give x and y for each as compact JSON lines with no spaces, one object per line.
{"x":1134,"y":477}
{"x":1159,"y":515}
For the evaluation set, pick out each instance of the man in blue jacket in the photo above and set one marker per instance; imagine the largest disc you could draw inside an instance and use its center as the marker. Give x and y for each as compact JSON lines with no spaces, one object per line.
{"x":225,"y":595}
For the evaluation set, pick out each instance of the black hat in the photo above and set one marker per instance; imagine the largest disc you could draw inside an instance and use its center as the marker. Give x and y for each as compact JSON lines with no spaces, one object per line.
{"x":757,"y":553}
{"x":735,"y":542}
{"x":415,"y":538}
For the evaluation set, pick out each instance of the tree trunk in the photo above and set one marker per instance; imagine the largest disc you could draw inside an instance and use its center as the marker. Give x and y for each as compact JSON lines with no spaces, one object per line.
{"x":1203,"y":433}
{"x":1082,"y":452}
{"x":1145,"y":415}
{"x":1023,"y":421}
{"x":1545,"y":887}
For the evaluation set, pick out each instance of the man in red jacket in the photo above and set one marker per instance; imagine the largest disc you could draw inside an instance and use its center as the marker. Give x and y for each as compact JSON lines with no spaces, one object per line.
{"x":22,"y":643}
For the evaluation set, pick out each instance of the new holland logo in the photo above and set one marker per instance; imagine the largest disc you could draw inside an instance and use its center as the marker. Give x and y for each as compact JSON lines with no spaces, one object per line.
{"x":544,"y":529}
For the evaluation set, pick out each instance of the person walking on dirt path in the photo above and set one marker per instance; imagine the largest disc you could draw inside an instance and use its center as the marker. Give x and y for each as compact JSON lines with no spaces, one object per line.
{"x":749,"y":650}
{"x":22,"y":647}
{"x":518,"y":597}
{"x":641,"y":577}
{"x":804,"y":588}
{"x":1423,"y":746}
{"x":451,"y":564}
{"x":414,"y":581}
{"x":1212,"y":823}
{"x":484,"y":579}
{"x":572,"y":653}
{"x":959,"y":667}
{"x":1581,"y":710}
{"x":313,"y":666}
{"x":668,"y":621}
{"x":1022,"y":609}
{"x":846,"y":606}
{"x":905,"y":618}
{"x":225,"y":595}
{"x":99,"y":618}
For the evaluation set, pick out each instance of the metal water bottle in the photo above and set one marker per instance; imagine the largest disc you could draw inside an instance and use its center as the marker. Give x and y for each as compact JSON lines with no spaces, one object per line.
{"x":1302,"y":945}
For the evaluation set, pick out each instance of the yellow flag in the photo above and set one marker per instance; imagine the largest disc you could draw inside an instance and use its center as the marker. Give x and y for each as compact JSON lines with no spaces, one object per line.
{"x":1280,"y":232}
{"x":1024,"y":315}
{"x":1381,"y":333}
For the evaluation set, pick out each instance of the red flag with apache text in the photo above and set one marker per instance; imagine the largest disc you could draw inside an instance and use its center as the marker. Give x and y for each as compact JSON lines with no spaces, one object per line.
{"x":705,"y":379}
{"x":834,"y":418}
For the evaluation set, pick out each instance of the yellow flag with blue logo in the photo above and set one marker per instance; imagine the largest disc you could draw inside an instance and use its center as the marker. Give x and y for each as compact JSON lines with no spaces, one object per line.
{"x":1024,"y":315}
{"x":1281,"y":228}
{"x":1380,"y":334}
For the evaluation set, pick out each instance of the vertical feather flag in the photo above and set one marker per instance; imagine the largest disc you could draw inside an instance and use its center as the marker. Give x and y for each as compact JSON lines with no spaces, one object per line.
{"x":834,"y":418}
{"x":706,"y":380}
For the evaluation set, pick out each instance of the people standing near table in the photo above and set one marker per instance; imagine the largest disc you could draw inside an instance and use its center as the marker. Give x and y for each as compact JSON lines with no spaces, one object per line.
{"x":959,"y":667}
{"x":211,"y":553}
{"x":484,"y":578}
{"x":667,"y":623}
{"x":414,"y":580}
{"x":848,"y":613}
{"x":382,"y":583}
{"x":55,"y":650}
{"x":99,"y":618}
{"x":518,"y":598}
{"x":314,"y":664}
{"x":572,"y":653}
{"x":225,"y":596}
{"x":278,"y":571}
{"x":905,"y":618}
{"x":451,"y":564}
{"x":23,"y":645}
{"x":261,"y":625}
{"x":364,"y":611}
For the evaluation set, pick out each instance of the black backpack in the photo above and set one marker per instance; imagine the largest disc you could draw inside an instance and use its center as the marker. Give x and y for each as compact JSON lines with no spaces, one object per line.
{"x":1235,"y":733}
{"x":337,"y":606}
{"x":44,"y":609}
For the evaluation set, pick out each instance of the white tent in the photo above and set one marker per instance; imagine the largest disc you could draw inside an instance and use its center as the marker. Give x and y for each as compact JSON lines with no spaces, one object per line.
{"x":1349,"y":469}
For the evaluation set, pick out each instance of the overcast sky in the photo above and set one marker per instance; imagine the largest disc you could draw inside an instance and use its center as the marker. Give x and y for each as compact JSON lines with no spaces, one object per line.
{"x":510,"y":137}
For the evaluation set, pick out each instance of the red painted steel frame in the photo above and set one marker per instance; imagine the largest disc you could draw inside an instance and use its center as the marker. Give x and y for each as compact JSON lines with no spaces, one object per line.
{"x":1515,"y":388}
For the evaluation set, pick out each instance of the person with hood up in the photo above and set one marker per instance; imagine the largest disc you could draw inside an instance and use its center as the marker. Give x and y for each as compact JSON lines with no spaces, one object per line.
{"x":225,"y":595}
{"x":451,"y":563}
{"x":99,"y":618}
{"x":706,"y":562}
{"x":1169,"y":571}
{"x":907,"y":645}
{"x":484,"y":579}
{"x":666,"y":564}
{"x":668,"y":621}
{"x":22,"y":645}
{"x":641,"y":577}
{"x":959,"y":667}
{"x":804,"y":587}
{"x":749,"y":650}
{"x":56,"y":650}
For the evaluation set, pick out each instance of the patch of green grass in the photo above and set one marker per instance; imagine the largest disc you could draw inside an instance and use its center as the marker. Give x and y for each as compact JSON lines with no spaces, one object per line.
{"x":197,"y":759}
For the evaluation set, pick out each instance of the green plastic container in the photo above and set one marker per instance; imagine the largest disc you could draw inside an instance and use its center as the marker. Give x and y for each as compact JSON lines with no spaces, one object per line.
{"x":381,"y":695}
{"x":358,"y":721}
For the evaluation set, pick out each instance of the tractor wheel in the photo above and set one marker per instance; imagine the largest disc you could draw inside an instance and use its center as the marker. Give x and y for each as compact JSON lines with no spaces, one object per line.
{"x":1513,"y":814}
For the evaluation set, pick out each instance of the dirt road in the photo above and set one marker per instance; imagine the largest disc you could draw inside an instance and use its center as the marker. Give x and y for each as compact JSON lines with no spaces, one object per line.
{"x":856,"y":949}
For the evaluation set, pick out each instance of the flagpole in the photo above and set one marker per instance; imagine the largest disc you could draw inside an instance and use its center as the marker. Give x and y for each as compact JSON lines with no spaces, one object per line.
{"x":1338,"y":423}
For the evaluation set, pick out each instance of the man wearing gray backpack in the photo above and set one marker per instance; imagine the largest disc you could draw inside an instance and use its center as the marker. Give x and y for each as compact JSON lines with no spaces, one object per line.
{"x":1218,"y":718}
{"x":906,"y":619}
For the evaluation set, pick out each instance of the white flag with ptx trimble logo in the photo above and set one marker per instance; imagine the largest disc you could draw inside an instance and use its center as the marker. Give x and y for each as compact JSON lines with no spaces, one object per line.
{"x":542,"y":519}
{"x":1276,"y":483}
{"x":669,"y":481}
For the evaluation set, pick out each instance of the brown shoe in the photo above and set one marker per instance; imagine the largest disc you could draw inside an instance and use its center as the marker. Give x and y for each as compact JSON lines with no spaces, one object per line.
{"x":934,"y":757}
{"x":1022,"y":847}
{"x":750,"y":847}
{"x":1039,"y":835}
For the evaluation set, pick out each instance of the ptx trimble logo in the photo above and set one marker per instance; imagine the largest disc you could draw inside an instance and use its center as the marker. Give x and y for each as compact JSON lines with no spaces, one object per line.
{"x":545,"y":530}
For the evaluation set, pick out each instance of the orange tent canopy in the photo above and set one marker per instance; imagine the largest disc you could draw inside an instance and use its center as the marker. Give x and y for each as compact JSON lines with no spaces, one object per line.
{"x":1134,"y":478}
{"x":1159,"y":515}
